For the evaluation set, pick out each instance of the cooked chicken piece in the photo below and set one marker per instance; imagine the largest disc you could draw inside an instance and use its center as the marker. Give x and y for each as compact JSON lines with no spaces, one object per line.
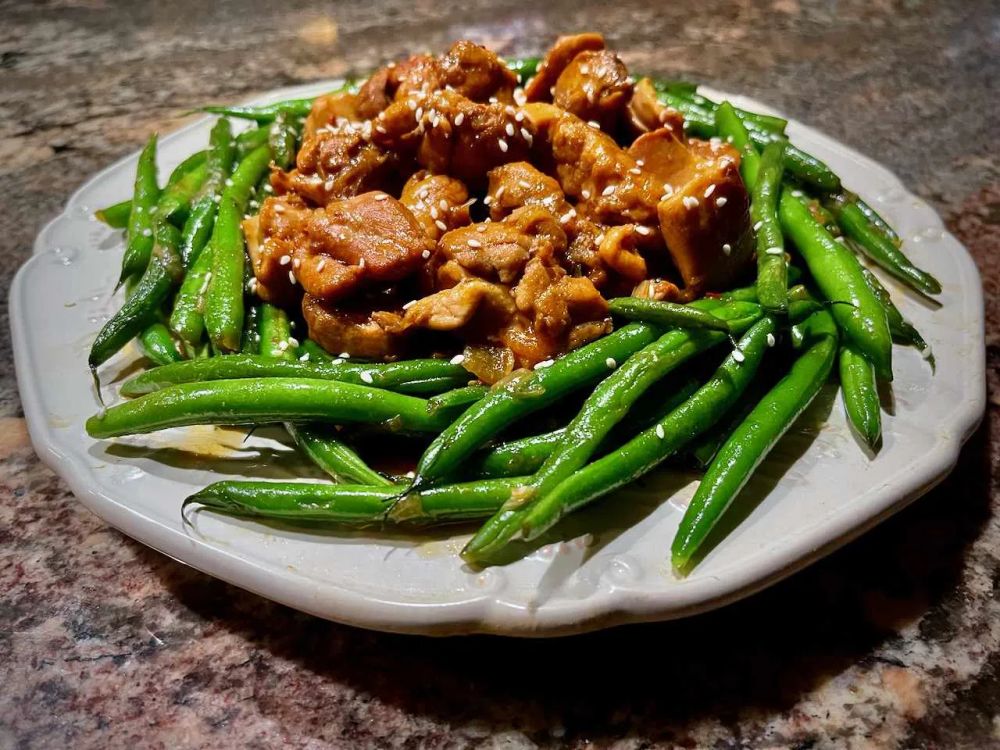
{"x":619,"y":251}
{"x":591,"y":167}
{"x":439,"y":203}
{"x":335,"y":164}
{"x":647,"y":112}
{"x":353,"y":329}
{"x":706,"y":225}
{"x":595,"y":87}
{"x":539,"y":88}
{"x":566,"y":302}
{"x":675,"y":162}
{"x":582,"y":256}
{"x":330,"y":109}
{"x":477,"y":73}
{"x":420,"y":74}
{"x":270,"y":240}
{"x":341,"y":249}
{"x":451,"y":134}
{"x":520,"y":184}
{"x":660,"y":289}
{"x":474,"y":304}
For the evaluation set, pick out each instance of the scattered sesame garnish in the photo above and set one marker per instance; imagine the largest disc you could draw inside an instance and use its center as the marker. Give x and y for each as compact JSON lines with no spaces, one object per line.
{"x":585,"y":194}
{"x":321,"y":265}
{"x":610,"y":362}
{"x":366,"y":377}
{"x":434,"y":212}
{"x":284,"y":260}
{"x":709,"y":190}
{"x":487,"y":200}
{"x":502,"y":144}
{"x":473,"y":243}
{"x":594,"y":124}
{"x":727,"y":249}
{"x":382,"y":196}
{"x":459,"y":118}
{"x":282,"y":346}
{"x":543,"y":364}
{"x":690,"y":201}
{"x":425,"y":254}
{"x":775,"y":251}
{"x":509,"y":129}
{"x":757,"y":226}
{"x":291,"y":277}
{"x":409,"y":304}
{"x":610,"y":189}
{"x":443,"y":204}
{"x":635,"y":170}
{"x":797,"y":193}
{"x":481,"y":228}
{"x":644,"y":231}
{"x":147,"y":232}
{"x":770,"y":339}
{"x":440,"y":225}
{"x":458,"y":359}
{"x":524,"y":184}
{"x":304,"y":357}
{"x":721,"y":201}
{"x":640,"y":162}
{"x":660,"y":432}
{"x":738,"y":355}
{"x":296,"y":263}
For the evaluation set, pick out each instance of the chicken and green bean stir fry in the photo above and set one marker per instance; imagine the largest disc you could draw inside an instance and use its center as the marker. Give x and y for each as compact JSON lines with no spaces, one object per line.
{"x":545,"y":278}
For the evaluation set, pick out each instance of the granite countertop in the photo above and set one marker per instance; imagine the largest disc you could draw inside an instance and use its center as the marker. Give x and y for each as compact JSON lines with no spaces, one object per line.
{"x":893,"y":641}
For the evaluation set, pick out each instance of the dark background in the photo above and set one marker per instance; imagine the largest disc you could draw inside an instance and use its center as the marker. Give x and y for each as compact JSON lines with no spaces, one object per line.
{"x":893,"y":641}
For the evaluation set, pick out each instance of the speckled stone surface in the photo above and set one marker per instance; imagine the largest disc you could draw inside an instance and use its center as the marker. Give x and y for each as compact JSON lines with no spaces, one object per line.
{"x":892,"y":642}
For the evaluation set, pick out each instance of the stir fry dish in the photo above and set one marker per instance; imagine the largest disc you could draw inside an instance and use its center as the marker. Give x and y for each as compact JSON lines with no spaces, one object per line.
{"x":545,"y":278}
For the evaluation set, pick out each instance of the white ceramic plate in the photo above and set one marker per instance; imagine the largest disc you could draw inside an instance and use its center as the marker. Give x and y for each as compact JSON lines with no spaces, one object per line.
{"x":817,"y":491}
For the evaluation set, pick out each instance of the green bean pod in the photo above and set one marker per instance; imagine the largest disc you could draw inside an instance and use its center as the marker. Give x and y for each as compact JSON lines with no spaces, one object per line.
{"x":352,"y":505}
{"x":861,"y":402}
{"x":839,"y":276}
{"x":265,"y":401}
{"x":251,"y":140}
{"x":144,"y":301}
{"x":462,"y":396}
{"x":902,"y":330}
{"x":187,"y":319}
{"x":159,"y":346}
{"x":276,"y":341}
{"x":406,"y":376}
{"x":282,"y":137}
{"x":224,"y":305}
{"x":874,"y":244}
{"x":666,"y":314}
{"x":116,"y":215}
{"x":650,"y":447}
{"x":139,"y":242}
{"x":524,"y":67}
{"x":749,"y":445}
{"x":731,"y":128}
{"x":772,"y":269}
{"x":250,"y":340}
{"x":524,"y":395}
{"x":264,"y":113}
{"x":878,"y":222}
{"x":321,"y":444}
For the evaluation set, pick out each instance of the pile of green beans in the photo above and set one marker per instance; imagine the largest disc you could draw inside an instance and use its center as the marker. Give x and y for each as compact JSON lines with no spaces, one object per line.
{"x":671,"y":381}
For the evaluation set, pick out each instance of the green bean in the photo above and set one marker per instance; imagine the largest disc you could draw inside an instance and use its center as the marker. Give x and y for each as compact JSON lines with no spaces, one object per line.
{"x":732,"y":129}
{"x":749,"y":445}
{"x":186,"y":319}
{"x":666,"y":314}
{"x":175,"y":201}
{"x":602,"y":410}
{"x":526,"y":394}
{"x":878,"y":222}
{"x":159,"y":345}
{"x":224,"y":306}
{"x":872,"y":242}
{"x":264,"y":401}
{"x":336,"y":458}
{"x":839,"y":277}
{"x":861,"y":402}
{"x":264,"y":113}
{"x":902,"y":330}
{"x":116,"y":215}
{"x":394,"y":376}
{"x":649,"y":448}
{"x":276,"y":340}
{"x":282,"y":136}
{"x":250,"y":341}
{"x":316,"y":352}
{"x":684,"y":99}
{"x":526,"y":455}
{"x":352,"y":505}
{"x":251,"y":140}
{"x":524,"y":67}
{"x":463,"y":396}
{"x":144,"y":301}
{"x":139,"y":243}
{"x":772,"y":270}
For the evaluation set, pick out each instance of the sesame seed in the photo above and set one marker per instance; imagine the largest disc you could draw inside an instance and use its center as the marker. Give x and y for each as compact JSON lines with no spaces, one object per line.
{"x":459,"y":118}
{"x":610,"y":362}
{"x":690,"y":201}
{"x":440,"y":225}
{"x":635,"y":170}
{"x":291,"y":277}
{"x":229,"y":182}
{"x":292,"y":341}
{"x":709,"y":190}
{"x":600,"y":238}
{"x":419,"y":113}
{"x":775,"y":251}
{"x":147,"y":232}
{"x":502,"y":144}
{"x":770,"y":339}
{"x":727,"y":249}
{"x":381,"y":197}
{"x":443,"y":204}
{"x":640,"y":162}
{"x":284,"y":260}
{"x":304,"y":357}
{"x":500,"y":190}
{"x":644,"y":231}
{"x":668,"y":189}
{"x":543,"y":364}
{"x":738,"y":355}
{"x":282,"y":346}
{"x":608,"y":190}
{"x":525,"y":184}
{"x":520,"y":98}
{"x":758,"y":225}
{"x":366,"y":377}
{"x":361,"y":263}
{"x":458,"y":359}
{"x":321,"y":265}
{"x":473,"y":243}
{"x":926,"y":352}
{"x":585,"y":194}
{"x":797,"y":193}
{"x":344,"y":355}
{"x":296,"y":263}
{"x":660,"y":432}
{"x":509,"y":129}
{"x":721,"y":201}
{"x":425,"y":254}
{"x":409,"y":304}
{"x":434,"y":212}
{"x":487,"y":200}
{"x":594,"y":124}
{"x":564,"y":219}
